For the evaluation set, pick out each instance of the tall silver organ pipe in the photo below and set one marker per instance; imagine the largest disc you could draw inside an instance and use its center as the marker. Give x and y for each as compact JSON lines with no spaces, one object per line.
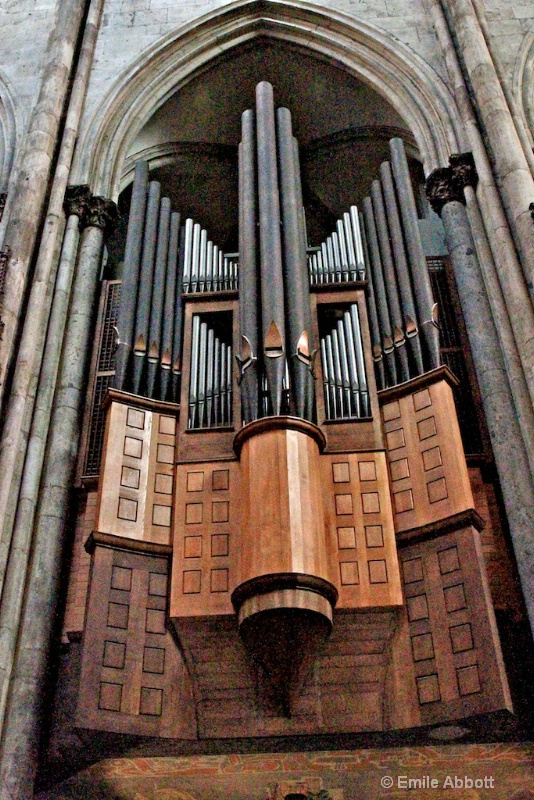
{"x":295,"y":271}
{"x":158,"y":295}
{"x":210,"y":380}
{"x":169,"y":315}
{"x":248,"y":293}
{"x":272,"y":287}
{"x":132,"y":262}
{"x":346,"y":392}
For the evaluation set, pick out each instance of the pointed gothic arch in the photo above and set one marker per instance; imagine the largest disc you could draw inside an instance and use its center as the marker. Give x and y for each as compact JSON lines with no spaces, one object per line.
{"x":389,"y":67}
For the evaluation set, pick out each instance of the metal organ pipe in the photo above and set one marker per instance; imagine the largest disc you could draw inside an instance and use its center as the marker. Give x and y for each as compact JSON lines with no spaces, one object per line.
{"x":295,"y":271}
{"x":132,"y":261}
{"x":158,"y":295}
{"x":145,"y":287}
{"x":272,"y":290}
{"x":170,"y":303}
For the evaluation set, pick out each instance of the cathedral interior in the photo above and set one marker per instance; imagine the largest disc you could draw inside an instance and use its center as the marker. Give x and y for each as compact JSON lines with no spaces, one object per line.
{"x":266,"y":380}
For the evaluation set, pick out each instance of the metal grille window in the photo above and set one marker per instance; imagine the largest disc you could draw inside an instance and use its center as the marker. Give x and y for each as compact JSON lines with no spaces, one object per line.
{"x":102,"y":377}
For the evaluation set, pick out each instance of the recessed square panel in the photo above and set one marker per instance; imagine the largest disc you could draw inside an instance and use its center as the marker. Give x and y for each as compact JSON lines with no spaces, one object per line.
{"x":135,"y":418}
{"x":165,"y":454}
{"x":121,"y":578}
{"x":403,"y":501}
{"x":468,"y":680}
{"x":412,"y":569}
{"x":157,"y":584}
{"x":220,"y":511}
{"x":167,"y":425}
{"x":192,"y":581}
{"x":432,"y":458}
{"x":154,"y":660}
{"x":130,"y":477}
{"x":127,"y":509}
{"x":110,"y":696}
{"x":114,"y":655}
{"x":422,"y":647}
{"x":151,"y":702}
{"x":133,"y":447}
{"x":219,"y":580}
{"x":118,"y":615}
{"x":346,"y":538}
{"x":350,"y":575}
{"x":391,"y":411}
{"x":341,"y":472}
{"x":395,"y":439}
{"x":377,"y":571}
{"x":417,"y":607}
{"x":192,"y":546}
{"x":461,"y":638}
{"x":219,"y":544}
{"x":448,"y":560}
{"x":367,"y":470}
{"x":195,"y":481}
{"x":455,"y":598}
{"x":437,"y":490}
{"x":422,"y":400}
{"x":155,"y":621}
{"x":161,"y":515}
{"x":163,"y":483}
{"x":343,"y":504}
{"x":374,"y":536}
{"x":399,"y":469}
{"x":371,"y":502}
{"x":220,"y":480}
{"x":193,"y":513}
{"x":428,"y":689}
{"x":426,"y":428}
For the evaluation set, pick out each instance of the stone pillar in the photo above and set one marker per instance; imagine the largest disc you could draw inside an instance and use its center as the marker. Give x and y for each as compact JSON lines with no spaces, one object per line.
{"x":510,"y":164}
{"x":504,"y":264}
{"x":18,"y":537}
{"x":34,"y":171}
{"x":446,"y":195}
{"x":20,"y":741}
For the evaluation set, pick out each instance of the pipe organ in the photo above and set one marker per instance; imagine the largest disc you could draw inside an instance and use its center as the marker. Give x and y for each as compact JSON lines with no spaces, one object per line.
{"x":286,"y":539}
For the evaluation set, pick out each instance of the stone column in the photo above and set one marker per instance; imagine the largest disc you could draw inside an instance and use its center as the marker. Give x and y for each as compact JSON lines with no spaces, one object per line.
{"x":34,"y":171}
{"x":510,"y":164}
{"x":446,"y":195}
{"x":20,"y":533}
{"x":503,"y":267}
{"x":20,"y":741}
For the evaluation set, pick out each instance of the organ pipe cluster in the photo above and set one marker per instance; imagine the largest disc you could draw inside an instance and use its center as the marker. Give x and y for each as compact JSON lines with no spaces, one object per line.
{"x":210,"y":384}
{"x":402,"y":313}
{"x":345,"y":383}
{"x":275,"y":323}
{"x":206,"y":267}
{"x":340,"y":257}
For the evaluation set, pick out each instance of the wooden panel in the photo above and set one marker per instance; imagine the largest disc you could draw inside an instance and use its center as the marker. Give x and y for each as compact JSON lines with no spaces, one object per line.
{"x":429,"y":478}
{"x":454,"y":645}
{"x":206,"y":539}
{"x":133,"y":678}
{"x":361,"y":539}
{"x":137,"y":478}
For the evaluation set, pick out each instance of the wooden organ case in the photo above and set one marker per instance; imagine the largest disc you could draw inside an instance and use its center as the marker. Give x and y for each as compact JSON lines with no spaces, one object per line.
{"x":286,"y":540}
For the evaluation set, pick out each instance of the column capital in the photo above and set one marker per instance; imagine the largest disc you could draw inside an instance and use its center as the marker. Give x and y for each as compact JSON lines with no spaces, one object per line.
{"x":446,"y":184}
{"x":100,"y":213}
{"x":76,"y":200}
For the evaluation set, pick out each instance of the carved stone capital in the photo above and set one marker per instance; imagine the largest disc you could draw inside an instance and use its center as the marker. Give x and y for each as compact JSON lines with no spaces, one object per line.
{"x":464,"y":170}
{"x":3,"y":198}
{"x":100,"y":213}
{"x":76,"y":200}
{"x":442,"y":188}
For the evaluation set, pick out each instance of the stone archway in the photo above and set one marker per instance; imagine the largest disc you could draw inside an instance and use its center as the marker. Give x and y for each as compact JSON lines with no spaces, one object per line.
{"x":407,"y":82}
